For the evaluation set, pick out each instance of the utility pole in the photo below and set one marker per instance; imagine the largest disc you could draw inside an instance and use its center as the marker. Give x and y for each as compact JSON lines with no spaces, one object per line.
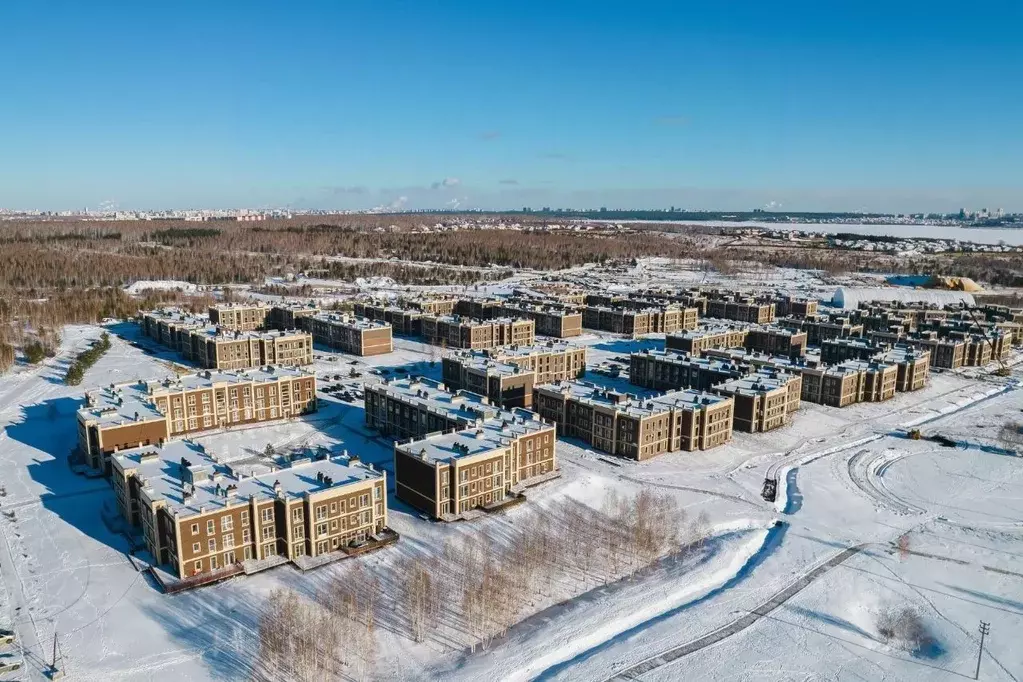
{"x":985,"y":628}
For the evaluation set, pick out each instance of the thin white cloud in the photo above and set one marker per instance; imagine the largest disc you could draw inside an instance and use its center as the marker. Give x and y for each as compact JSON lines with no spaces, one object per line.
{"x":446,"y":182}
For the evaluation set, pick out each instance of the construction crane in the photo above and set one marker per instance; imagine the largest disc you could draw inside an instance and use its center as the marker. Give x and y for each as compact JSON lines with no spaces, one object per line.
{"x":1003,"y":369}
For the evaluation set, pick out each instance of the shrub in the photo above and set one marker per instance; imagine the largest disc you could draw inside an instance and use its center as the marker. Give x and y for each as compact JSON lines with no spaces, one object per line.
{"x":906,"y":628}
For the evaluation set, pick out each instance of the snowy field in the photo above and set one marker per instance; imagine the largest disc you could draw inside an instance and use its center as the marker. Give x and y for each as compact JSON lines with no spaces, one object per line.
{"x":938,"y":530}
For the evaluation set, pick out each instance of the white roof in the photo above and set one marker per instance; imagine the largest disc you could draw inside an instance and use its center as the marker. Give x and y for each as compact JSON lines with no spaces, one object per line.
{"x":849,"y":298}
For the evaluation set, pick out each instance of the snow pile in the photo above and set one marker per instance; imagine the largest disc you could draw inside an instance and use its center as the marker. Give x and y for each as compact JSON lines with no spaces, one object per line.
{"x":375,"y":282}
{"x":721,"y":570}
{"x":160,"y":285}
{"x":849,"y":298}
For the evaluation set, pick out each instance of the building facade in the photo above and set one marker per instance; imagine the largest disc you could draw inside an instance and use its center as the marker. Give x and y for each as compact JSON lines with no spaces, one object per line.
{"x":350,"y":334}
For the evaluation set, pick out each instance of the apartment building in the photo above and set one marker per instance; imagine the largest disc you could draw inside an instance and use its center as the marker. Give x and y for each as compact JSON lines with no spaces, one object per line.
{"x":454,"y":331}
{"x":819,"y":329}
{"x":838,"y":385}
{"x":449,"y":475}
{"x":350,"y":334}
{"x":170,"y":327}
{"x":946,"y":353}
{"x":551,"y":361}
{"x":549,"y":320}
{"x":668,"y":370}
{"x":404,"y":321}
{"x":239,"y":316}
{"x":764,"y":400}
{"x":444,"y":305}
{"x":787,"y":306}
{"x":290,"y":315}
{"x":478,"y":308}
{"x":913,"y":366}
{"x":217,"y":348}
{"x":696,"y":341}
{"x":636,"y":322}
{"x":625,"y":425}
{"x":775,"y":340}
{"x":142,"y":413}
{"x":203,"y":518}
{"x":834,"y":351}
{"x":740,"y":309}
{"x":504,"y":384}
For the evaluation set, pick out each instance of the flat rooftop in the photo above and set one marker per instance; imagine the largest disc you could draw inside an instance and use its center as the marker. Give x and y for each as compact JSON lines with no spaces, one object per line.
{"x":223,"y":334}
{"x":350,"y":321}
{"x":490,"y":434}
{"x":211,"y":377}
{"x":119,"y":404}
{"x":178,"y":316}
{"x":167,"y":477}
{"x":463,"y":405}
{"x":757,"y":383}
{"x":629,"y":404}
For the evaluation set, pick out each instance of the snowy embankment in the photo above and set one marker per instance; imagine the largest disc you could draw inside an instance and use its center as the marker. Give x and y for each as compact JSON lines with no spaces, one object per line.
{"x":577,"y":636}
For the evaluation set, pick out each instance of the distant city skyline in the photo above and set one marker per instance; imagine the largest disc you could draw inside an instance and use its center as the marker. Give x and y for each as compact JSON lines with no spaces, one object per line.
{"x":877,"y":107}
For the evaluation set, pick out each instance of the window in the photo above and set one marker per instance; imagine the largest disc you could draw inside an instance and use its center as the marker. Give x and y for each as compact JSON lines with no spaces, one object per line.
{"x":333,"y":524}
{"x":268,"y":515}
{"x":296,"y":514}
{"x":213,"y":562}
{"x":299,"y":532}
{"x":376,"y":492}
{"x":321,"y":529}
{"x":246,"y":536}
{"x":321,"y":512}
{"x":213,"y":544}
{"x":228,"y":540}
{"x":211,"y":527}
{"x":196,"y":548}
{"x":363,"y":500}
{"x":245,"y":517}
{"x":195,"y":529}
{"x":268,"y":532}
{"x":226,"y":523}
{"x":197,"y":566}
{"x":333,"y":507}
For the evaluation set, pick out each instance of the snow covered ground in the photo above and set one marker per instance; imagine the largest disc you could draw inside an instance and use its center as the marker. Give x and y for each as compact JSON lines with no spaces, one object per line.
{"x":940,"y":530}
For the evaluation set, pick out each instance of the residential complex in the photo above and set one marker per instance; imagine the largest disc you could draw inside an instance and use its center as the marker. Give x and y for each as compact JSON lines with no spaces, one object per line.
{"x":202,"y":517}
{"x":464,"y":453}
{"x":350,"y":334}
{"x":240,"y":316}
{"x":764,"y":400}
{"x":129,"y":415}
{"x":696,"y":341}
{"x":216,"y":348}
{"x":506,"y":375}
{"x":628,"y":426}
{"x":668,"y":370}
{"x":648,"y":320}
{"x":454,"y":331}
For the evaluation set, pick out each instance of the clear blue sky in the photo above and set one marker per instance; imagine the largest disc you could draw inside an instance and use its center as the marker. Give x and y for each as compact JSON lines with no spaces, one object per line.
{"x":896,"y":105}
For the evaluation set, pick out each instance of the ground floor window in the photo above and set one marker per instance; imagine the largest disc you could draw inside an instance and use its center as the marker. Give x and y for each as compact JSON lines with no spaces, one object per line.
{"x":197,"y":567}
{"x":213,"y":562}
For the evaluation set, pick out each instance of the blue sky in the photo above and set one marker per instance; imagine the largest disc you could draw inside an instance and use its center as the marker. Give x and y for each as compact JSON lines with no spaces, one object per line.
{"x":343,"y":104}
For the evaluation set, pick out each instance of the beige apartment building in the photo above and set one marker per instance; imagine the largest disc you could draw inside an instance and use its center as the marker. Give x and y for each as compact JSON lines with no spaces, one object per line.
{"x":740,"y":309}
{"x":216,"y":348}
{"x":458,"y":439}
{"x":551,"y":361}
{"x":695,"y":342}
{"x":775,"y":340}
{"x":350,"y":334}
{"x":239,"y":316}
{"x":549,"y":320}
{"x":630,"y":427}
{"x":404,"y":321}
{"x":502,"y":383}
{"x":203,"y":519}
{"x":448,"y":475}
{"x":475,"y":334}
{"x":669,"y":370}
{"x":636,"y":322}
{"x":821,"y":328}
{"x":290,"y":315}
{"x":130,"y":415}
{"x":171,"y":327}
{"x":764,"y":401}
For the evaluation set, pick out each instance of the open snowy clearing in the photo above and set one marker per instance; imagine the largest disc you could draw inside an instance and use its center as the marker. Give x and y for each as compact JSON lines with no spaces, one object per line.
{"x":849,"y":480}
